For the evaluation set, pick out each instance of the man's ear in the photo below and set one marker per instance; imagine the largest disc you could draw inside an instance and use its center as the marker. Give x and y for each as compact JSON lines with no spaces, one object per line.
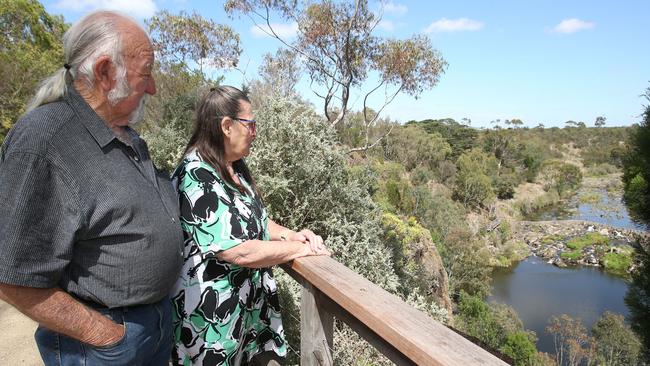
{"x":104,"y":72}
{"x":226,"y":126}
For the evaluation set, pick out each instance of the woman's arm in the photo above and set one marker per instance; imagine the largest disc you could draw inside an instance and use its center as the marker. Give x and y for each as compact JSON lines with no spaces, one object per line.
{"x":279,"y":232}
{"x":261,"y":253}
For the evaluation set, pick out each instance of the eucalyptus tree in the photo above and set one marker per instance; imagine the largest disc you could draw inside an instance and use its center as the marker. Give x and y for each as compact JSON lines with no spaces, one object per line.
{"x":191,"y":39}
{"x":339,"y":51}
{"x":187,"y":47}
{"x":30,"y":49}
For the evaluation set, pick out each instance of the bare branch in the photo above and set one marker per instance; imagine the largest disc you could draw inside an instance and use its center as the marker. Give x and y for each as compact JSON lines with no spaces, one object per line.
{"x":272,"y":33}
{"x":365,"y":100}
{"x":366,"y":147}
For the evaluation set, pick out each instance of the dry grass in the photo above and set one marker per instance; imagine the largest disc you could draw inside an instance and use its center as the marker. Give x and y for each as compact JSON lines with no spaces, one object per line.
{"x":528,"y":192}
{"x":603,"y":181}
{"x":571,"y":154}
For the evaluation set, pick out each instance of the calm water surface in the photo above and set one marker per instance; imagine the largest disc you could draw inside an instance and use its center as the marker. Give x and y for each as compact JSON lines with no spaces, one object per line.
{"x":537,"y":291}
{"x":611,"y":210}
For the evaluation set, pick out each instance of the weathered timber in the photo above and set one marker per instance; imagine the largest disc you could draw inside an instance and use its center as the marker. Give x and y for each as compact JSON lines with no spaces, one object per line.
{"x":316,"y":329}
{"x":402,"y":333}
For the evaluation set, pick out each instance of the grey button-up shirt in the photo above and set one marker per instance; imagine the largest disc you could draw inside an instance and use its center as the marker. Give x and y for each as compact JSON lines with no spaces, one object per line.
{"x":81,"y":210}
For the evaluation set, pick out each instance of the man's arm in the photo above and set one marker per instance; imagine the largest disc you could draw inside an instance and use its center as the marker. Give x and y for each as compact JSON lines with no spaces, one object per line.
{"x":58,"y":311}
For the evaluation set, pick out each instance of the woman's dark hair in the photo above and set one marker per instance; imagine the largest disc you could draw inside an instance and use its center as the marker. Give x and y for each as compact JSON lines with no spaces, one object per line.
{"x":207,"y":137}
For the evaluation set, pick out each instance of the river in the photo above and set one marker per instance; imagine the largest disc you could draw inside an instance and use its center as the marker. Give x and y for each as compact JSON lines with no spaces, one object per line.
{"x":537,"y":290}
{"x":610,"y":210}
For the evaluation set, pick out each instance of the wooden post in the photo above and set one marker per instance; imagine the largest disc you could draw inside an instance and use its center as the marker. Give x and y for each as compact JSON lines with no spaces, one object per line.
{"x":316,"y":329}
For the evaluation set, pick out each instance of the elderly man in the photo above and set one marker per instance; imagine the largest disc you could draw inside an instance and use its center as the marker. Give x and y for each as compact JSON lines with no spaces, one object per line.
{"x":90,"y":243}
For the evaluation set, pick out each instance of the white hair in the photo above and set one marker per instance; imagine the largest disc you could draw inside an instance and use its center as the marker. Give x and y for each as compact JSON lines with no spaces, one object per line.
{"x":96,"y":34}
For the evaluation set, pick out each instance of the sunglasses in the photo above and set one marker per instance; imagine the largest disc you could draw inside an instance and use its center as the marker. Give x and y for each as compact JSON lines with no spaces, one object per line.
{"x":250,"y":124}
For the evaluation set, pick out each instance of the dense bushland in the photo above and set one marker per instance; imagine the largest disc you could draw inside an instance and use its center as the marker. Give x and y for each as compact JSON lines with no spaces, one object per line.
{"x":419,"y":210}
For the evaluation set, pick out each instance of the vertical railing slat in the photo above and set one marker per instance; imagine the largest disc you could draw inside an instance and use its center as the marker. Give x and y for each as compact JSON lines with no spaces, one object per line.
{"x":316,"y":330}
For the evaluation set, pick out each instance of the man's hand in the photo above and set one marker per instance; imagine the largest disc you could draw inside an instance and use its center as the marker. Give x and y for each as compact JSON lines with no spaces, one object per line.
{"x":58,"y":311}
{"x":108,"y":333}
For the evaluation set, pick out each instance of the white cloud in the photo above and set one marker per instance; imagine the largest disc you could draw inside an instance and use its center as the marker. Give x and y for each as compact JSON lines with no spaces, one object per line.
{"x":453,"y":25}
{"x":135,"y":8}
{"x":284,"y":30}
{"x":395,"y":9}
{"x":386,"y":25}
{"x":569,"y":26}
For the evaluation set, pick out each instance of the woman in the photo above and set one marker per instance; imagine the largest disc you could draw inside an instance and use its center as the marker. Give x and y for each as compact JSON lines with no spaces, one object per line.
{"x":225,"y":302}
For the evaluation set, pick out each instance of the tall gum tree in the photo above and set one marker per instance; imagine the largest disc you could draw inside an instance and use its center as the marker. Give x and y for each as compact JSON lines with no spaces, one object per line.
{"x":30,"y":50}
{"x":188,"y":48}
{"x":336,"y":43}
{"x":189,"y":38}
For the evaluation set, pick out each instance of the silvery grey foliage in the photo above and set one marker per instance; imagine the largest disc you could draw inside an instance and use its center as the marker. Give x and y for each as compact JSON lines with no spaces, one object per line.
{"x":302,"y":175}
{"x":304,"y":180}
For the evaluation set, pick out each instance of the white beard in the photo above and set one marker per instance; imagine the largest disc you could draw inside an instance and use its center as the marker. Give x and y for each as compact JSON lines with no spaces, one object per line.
{"x":120,"y":92}
{"x":138,"y":114}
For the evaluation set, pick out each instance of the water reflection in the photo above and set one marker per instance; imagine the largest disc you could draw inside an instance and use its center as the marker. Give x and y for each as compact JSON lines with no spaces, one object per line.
{"x":610,"y":210}
{"x":537,"y":291}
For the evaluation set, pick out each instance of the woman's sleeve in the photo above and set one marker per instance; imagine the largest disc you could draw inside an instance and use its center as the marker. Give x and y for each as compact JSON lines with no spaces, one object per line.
{"x":207,"y":213}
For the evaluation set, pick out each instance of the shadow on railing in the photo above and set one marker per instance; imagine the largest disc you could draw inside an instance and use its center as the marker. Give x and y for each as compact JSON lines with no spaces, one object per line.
{"x":400,"y":332}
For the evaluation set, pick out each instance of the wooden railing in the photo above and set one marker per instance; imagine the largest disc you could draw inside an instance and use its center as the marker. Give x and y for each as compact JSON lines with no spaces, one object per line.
{"x":402,"y":333}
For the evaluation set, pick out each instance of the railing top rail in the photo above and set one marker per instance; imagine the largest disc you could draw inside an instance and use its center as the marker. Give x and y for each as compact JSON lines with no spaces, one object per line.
{"x":417,"y":336}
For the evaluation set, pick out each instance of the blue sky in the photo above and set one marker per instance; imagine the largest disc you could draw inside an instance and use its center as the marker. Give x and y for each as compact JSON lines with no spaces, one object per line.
{"x":539,"y":61}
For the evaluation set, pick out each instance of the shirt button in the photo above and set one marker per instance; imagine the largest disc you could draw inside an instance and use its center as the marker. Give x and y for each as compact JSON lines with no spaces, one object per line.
{"x":136,"y":158}
{"x":173,"y":219}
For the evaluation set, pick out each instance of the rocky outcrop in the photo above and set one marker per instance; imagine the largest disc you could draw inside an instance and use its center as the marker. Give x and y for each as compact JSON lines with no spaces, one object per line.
{"x":548,"y":240}
{"x":435,"y":270}
{"x":532,"y":232}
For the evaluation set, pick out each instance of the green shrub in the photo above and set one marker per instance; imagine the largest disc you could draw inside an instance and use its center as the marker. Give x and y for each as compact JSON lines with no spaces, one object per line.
{"x":504,"y":186}
{"x":638,"y":300}
{"x":578,"y":243}
{"x":559,"y":176}
{"x":412,"y":146}
{"x":520,"y":348}
{"x":473,"y":183}
{"x":617,"y":263}
{"x":616,"y":343}
{"x":636,"y":194}
{"x":421,"y":175}
{"x":636,"y":165}
{"x":394,"y":193}
{"x":572,"y":255}
{"x":498,"y":326}
{"x":551,"y":239}
{"x":304,"y":180}
{"x":439,"y":214}
{"x":401,"y":236}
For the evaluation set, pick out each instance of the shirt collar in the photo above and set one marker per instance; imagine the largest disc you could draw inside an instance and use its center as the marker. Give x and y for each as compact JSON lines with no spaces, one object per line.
{"x":89,"y":118}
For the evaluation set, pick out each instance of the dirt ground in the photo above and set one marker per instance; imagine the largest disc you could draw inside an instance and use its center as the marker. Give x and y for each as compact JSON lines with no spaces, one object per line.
{"x":17,"y":347}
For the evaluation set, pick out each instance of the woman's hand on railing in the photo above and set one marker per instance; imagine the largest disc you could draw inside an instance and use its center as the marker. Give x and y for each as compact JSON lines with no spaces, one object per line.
{"x":314,"y":241}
